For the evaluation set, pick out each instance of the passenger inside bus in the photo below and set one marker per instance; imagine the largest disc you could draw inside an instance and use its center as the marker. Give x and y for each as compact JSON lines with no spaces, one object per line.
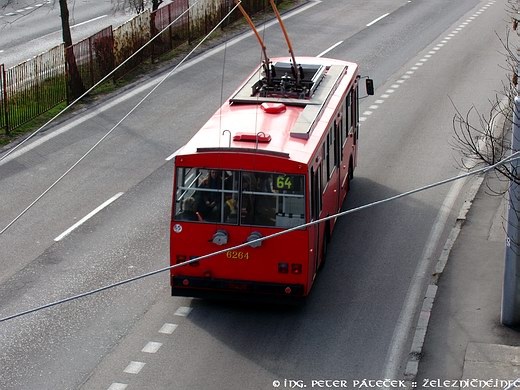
{"x":209,"y":201}
{"x":247,"y":201}
{"x":188,"y":212}
{"x":265,"y":201}
{"x":230,"y":209}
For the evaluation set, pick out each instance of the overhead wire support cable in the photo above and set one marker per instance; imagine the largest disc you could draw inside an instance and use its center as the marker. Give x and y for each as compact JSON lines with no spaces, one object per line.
{"x":116,"y":125}
{"x":511,"y":158}
{"x":16,"y":147}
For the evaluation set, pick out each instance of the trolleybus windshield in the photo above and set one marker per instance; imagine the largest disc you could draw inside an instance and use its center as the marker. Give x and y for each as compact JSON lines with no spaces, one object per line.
{"x":239,"y":197}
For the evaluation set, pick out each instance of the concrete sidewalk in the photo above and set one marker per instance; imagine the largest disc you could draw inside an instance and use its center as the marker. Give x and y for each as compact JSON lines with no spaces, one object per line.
{"x":464,"y":336}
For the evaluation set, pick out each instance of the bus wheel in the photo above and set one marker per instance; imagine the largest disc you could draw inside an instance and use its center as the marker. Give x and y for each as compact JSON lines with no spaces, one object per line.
{"x":324,"y":250}
{"x":350,"y":176}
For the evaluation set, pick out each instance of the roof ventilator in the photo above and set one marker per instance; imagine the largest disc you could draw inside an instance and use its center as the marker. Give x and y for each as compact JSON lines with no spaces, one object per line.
{"x":260,"y":137}
{"x":273,"y":108}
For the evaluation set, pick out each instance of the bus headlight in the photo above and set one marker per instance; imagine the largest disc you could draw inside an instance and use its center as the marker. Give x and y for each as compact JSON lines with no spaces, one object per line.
{"x":220,"y":237}
{"x":253,"y":237}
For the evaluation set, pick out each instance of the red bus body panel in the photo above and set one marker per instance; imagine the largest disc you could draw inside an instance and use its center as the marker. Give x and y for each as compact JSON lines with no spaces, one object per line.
{"x":255,"y":271}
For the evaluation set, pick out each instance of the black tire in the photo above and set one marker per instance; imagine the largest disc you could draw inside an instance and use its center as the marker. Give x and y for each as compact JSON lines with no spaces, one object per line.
{"x":325,"y":249}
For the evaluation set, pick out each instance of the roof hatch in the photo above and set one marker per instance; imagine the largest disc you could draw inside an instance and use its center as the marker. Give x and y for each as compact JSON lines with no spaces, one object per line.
{"x":251,"y":137}
{"x":273,"y":108}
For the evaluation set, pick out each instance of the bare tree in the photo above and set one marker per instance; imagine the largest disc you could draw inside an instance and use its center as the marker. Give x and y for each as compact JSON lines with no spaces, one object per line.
{"x":476,"y":136}
{"x":138,"y":6}
{"x":479,"y":142}
{"x":75,"y":87}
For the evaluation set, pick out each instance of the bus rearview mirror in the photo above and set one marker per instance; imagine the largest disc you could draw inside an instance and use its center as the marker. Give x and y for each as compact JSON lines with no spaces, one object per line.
{"x":370,"y":87}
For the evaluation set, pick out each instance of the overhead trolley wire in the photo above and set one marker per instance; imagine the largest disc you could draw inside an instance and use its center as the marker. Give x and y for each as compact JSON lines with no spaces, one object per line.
{"x":118,"y":123}
{"x":513,"y":157}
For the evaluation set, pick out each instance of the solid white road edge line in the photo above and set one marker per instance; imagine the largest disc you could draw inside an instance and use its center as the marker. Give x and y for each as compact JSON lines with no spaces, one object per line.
{"x":87,"y":217}
{"x":329,"y":49}
{"x":378,"y":19}
{"x":406,"y":318}
{"x":88,"y":21}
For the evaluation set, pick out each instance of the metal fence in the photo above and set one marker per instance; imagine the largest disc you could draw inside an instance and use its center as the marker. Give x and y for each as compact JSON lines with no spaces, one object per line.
{"x":32,"y":88}
{"x":39,"y":84}
{"x":94,"y":57}
{"x":176,"y":34}
{"x":130,"y":37}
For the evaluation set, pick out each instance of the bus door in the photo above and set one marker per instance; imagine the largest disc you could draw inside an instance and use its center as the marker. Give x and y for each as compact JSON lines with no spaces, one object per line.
{"x":337,"y":159}
{"x":355,"y":121}
{"x":316,"y":200}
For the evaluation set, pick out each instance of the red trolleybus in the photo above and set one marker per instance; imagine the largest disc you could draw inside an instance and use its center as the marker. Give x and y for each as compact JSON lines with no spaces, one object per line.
{"x":279,"y":153}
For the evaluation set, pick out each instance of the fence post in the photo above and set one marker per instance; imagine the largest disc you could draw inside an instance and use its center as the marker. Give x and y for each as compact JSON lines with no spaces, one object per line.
{"x":189,"y":22}
{"x":170,"y":34}
{"x":152,"y":34}
{"x":91,"y":61}
{"x":4,"y":98}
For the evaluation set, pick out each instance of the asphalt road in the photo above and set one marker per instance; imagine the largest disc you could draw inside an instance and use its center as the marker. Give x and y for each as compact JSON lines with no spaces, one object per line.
{"x":356,"y":322}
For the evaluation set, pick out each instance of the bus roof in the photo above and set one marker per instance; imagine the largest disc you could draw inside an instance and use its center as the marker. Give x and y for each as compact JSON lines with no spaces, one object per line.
{"x":273,"y":119}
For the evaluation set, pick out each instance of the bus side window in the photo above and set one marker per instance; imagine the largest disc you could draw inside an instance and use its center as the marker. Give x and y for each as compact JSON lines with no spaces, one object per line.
{"x":348,"y":113}
{"x":315,"y":193}
{"x":357,"y":105}
{"x":338,"y":143}
{"x":324,"y":169}
{"x":355,"y":113}
{"x":342,"y":132}
{"x":331,"y":150}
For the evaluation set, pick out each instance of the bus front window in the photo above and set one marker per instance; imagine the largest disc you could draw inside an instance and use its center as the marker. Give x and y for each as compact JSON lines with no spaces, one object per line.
{"x":239,"y":197}
{"x":209,"y":194}
{"x":271,"y":199}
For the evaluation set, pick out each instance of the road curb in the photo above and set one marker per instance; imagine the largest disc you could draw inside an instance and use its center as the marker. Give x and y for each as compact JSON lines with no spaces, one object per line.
{"x":415,"y":354}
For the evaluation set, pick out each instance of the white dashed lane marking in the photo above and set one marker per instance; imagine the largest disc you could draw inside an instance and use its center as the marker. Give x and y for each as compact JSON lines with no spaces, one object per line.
{"x":134,"y":367}
{"x":434,"y":50}
{"x":183,"y":311}
{"x":118,"y":386}
{"x":151,"y":347}
{"x":168,"y":328}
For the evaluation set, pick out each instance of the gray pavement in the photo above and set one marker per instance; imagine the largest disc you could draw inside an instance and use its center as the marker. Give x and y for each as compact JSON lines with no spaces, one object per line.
{"x":465,"y":338}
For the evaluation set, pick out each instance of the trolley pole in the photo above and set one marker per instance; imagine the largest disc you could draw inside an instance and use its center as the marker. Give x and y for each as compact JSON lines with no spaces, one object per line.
{"x":510,"y":315}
